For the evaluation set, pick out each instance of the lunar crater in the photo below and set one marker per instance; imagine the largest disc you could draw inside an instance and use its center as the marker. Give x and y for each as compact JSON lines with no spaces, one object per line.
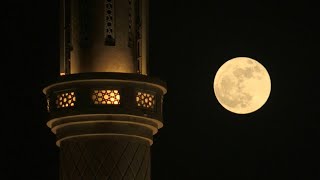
{"x":242,"y":85}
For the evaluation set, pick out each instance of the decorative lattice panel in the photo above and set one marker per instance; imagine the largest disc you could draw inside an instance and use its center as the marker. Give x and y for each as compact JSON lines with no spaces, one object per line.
{"x":130,"y":33}
{"x":48,"y":104}
{"x":109,"y":22}
{"x":109,"y":159}
{"x":145,"y":100}
{"x":138,"y":24}
{"x":65,"y":99}
{"x":106,"y":97}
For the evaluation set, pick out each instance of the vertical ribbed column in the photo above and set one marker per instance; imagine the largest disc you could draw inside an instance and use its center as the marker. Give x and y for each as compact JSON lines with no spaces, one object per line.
{"x":104,"y":158}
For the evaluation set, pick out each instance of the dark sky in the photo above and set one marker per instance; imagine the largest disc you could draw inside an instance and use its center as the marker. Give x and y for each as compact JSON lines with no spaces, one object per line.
{"x":189,"y":41}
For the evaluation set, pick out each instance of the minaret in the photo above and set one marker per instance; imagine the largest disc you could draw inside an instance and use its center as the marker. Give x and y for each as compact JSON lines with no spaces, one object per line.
{"x":103,"y":108}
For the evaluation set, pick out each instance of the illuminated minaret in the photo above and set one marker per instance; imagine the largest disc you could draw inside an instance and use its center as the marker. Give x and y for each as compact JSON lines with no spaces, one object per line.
{"x":103,"y":108}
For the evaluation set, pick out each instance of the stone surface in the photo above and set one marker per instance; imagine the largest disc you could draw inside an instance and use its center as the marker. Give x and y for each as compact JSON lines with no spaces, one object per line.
{"x":104,"y":158}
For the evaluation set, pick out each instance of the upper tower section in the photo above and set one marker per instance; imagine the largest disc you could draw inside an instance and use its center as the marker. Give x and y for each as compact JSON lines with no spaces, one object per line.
{"x":104,"y":36}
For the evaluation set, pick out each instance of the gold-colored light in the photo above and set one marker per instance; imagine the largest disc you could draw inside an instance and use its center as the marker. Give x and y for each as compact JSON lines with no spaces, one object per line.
{"x":65,"y":99}
{"x":145,"y":100}
{"x":48,"y":104}
{"x":106,"y":97}
{"x":242,"y":85}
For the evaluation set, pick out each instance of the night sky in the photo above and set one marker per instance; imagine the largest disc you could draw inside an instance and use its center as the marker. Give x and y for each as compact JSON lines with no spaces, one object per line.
{"x":189,"y":41}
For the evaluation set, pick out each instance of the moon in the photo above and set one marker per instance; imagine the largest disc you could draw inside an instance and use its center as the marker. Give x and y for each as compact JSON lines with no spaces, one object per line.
{"x":242,"y":85}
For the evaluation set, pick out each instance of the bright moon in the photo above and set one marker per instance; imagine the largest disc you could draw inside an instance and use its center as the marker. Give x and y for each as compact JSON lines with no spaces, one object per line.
{"x":242,"y":85}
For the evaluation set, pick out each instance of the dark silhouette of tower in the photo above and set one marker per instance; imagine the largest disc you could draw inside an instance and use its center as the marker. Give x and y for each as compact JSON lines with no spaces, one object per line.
{"x":103,"y":108}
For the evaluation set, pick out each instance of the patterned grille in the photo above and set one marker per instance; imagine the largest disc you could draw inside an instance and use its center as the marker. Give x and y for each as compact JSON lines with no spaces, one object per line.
{"x":130,"y":33}
{"x":138,"y":24}
{"x":108,"y":159}
{"x":145,"y":100}
{"x":106,"y":97}
{"x":109,"y":23}
{"x":48,"y":104}
{"x":66,"y":99}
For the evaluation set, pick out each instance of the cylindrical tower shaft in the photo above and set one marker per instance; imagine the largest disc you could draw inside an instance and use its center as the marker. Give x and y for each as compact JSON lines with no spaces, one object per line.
{"x":104,"y":110}
{"x":105,"y":158}
{"x":104,"y":36}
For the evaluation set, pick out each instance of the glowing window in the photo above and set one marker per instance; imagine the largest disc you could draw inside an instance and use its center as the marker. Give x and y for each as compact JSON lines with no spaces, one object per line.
{"x":130,"y":36}
{"x":145,"y":100}
{"x":66,"y":99}
{"x":106,"y":97}
{"x":48,"y":104}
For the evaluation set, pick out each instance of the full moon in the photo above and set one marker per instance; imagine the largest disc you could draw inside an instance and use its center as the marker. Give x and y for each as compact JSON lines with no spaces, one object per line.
{"x":242,"y":85}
